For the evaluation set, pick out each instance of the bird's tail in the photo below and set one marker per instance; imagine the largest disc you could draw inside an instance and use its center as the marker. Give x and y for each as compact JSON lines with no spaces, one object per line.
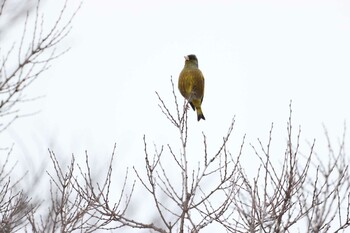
{"x":200,"y":114}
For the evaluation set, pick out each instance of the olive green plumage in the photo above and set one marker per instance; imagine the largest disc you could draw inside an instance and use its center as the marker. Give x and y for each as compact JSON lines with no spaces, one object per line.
{"x":191,"y":84}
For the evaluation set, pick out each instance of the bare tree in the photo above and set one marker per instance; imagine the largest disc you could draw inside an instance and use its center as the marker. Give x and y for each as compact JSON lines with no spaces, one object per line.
{"x":280,"y":198}
{"x":68,"y":209}
{"x":305,"y":192}
{"x":14,"y":203}
{"x":195,"y":200}
{"x":20,"y":64}
{"x":26,"y":59}
{"x":329,"y":189}
{"x":301,"y":193}
{"x":194,"y":203}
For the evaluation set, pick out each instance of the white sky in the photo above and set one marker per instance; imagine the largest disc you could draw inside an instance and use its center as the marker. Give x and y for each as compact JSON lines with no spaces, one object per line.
{"x":256,"y":56}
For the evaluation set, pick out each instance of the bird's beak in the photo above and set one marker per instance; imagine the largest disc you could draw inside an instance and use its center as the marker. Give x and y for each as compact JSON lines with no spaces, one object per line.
{"x":186,"y":58}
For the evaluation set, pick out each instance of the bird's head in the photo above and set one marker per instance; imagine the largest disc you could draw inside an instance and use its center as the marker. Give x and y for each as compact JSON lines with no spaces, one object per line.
{"x":191,"y":60}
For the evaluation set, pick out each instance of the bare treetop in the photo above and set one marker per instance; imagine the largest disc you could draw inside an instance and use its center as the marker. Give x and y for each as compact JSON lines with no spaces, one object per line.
{"x":29,"y":57}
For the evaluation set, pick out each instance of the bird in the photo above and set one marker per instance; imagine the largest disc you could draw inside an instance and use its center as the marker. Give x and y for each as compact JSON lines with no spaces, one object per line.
{"x":191,"y":84}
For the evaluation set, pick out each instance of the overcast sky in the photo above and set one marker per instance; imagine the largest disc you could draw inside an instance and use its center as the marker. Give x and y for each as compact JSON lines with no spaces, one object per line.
{"x":256,"y":56}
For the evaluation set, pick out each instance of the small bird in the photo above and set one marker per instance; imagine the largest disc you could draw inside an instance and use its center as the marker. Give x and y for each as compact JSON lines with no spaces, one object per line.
{"x":191,"y":84}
